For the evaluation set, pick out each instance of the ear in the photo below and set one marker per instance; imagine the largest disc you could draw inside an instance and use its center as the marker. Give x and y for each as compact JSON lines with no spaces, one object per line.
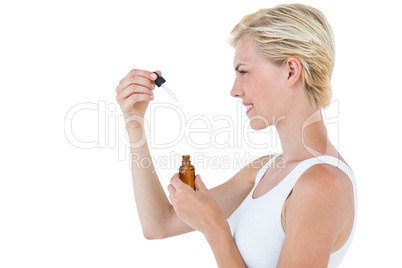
{"x":293,"y":68}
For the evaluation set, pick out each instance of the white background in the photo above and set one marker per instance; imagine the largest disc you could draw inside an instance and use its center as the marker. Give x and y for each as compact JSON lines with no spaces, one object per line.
{"x":65,"y":206}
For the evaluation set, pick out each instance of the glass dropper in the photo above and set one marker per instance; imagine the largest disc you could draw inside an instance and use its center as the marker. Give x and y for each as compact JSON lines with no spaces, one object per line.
{"x":160,"y":81}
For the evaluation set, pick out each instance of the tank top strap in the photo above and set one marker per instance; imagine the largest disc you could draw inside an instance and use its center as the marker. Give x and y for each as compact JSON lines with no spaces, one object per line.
{"x":262,"y":171}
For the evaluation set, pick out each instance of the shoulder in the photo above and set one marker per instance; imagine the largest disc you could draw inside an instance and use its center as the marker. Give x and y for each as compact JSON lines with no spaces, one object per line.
{"x":322,"y":189}
{"x":324,"y":179}
{"x":317,"y":213}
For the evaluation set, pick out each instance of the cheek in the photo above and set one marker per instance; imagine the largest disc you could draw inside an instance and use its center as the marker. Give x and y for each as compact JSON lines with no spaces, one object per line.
{"x":266,"y":109}
{"x":268,"y":95}
{"x":261,"y":88}
{"x":265,"y":102}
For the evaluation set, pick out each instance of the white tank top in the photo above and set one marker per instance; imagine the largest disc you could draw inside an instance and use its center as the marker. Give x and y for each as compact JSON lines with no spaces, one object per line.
{"x":256,"y":224}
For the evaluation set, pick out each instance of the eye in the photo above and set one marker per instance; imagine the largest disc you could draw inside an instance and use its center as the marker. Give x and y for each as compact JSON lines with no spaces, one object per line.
{"x":242,"y":72}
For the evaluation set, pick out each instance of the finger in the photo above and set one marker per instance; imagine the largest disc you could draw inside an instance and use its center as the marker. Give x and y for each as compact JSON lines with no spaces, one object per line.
{"x":171,"y":189}
{"x":199,"y":184}
{"x":159,"y":73}
{"x":172,"y":192}
{"x":131,"y":89}
{"x":176,"y":181}
{"x":136,"y":80}
{"x":135,"y":73}
{"x":128,"y":104}
{"x":143,"y":73}
{"x":172,"y":202}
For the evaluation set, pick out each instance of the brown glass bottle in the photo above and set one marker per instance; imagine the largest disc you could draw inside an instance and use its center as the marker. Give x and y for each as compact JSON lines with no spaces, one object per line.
{"x":186,"y":171}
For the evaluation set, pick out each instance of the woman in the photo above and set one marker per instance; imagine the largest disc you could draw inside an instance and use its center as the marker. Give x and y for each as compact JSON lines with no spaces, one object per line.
{"x":294,"y":209}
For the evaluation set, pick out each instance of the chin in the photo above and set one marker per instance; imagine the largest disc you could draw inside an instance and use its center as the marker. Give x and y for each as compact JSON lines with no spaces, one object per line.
{"x":259,"y":123}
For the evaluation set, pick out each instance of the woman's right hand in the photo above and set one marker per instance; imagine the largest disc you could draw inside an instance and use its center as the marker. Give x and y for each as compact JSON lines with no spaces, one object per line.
{"x":134,"y":93}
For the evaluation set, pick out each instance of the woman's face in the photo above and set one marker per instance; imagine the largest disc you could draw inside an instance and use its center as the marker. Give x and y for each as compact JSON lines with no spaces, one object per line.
{"x":260,"y":84}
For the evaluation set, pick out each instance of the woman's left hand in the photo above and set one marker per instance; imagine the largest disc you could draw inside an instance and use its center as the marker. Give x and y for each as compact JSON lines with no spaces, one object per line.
{"x":198,"y":209}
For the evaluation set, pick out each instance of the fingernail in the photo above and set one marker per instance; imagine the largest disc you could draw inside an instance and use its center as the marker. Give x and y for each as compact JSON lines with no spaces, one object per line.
{"x":153,"y":76}
{"x":152,"y":97}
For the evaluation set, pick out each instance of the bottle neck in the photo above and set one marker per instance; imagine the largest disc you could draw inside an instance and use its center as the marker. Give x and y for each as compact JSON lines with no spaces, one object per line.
{"x":186,"y":159}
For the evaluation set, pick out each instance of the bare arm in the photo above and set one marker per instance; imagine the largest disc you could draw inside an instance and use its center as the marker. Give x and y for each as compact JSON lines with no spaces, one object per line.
{"x":134,"y":93}
{"x":317,"y":213}
{"x":157,"y":216}
{"x":207,"y":213}
{"x":201,"y":211}
{"x":224,"y":248}
{"x":228,"y":195}
{"x":153,"y":207}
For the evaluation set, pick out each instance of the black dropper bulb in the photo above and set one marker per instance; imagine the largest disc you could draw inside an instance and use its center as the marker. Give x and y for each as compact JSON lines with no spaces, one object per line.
{"x":160,"y":80}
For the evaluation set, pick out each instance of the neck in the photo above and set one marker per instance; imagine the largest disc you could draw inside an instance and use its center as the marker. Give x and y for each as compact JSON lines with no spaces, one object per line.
{"x":303,"y":135}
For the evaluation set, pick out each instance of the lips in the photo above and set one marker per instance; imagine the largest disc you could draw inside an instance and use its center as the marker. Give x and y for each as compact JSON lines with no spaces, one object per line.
{"x":249,"y":106}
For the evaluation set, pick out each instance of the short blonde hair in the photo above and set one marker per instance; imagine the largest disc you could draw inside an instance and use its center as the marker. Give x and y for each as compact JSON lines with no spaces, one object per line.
{"x":294,"y":30}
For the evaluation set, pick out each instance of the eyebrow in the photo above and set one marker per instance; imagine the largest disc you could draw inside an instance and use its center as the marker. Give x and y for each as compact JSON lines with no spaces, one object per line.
{"x":238,"y":66}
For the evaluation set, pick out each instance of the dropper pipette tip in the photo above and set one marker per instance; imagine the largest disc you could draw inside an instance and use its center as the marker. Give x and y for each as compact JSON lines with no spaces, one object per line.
{"x":160,"y":81}
{"x":170,"y":92}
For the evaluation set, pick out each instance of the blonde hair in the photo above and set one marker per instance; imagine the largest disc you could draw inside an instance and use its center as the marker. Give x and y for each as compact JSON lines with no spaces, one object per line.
{"x":294,"y":30}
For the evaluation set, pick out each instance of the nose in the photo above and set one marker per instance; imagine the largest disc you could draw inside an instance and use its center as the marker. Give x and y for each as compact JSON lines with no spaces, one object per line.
{"x":237,"y":91}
